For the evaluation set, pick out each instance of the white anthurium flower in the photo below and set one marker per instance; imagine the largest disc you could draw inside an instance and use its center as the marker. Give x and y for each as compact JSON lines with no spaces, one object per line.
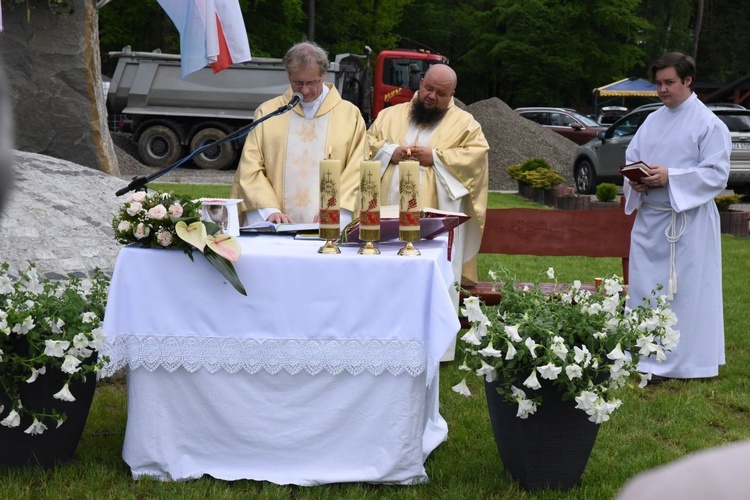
{"x":573,"y":371}
{"x":471,"y":336}
{"x":616,"y":353}
{"x":35,"y":374}
{"x":510,"y":352}
{"x":531,"y":345}
{"x":462,"y":388}
{"x":13,"y":419}
{"x":645,"y":377}
{"x":586,"y":400}
{"x":550,"y":371}
{"x":70,"y":364}
{"x":551,"y":273}
{"x":35,"y":428}
{"x":490,"y":352}
{"x":64,"y":394}
{"x":512,"y":333}
{"x":532,"y":382}
{"x":55,"y":348}
{"x":487,"y":371}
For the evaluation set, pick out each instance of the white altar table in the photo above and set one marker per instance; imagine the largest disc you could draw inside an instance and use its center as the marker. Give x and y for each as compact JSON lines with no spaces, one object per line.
{"x":326,"y":372}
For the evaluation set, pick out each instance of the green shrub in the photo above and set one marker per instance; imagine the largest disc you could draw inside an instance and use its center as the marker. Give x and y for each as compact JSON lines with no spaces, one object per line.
{"x":723,"y":202}
{"x":535,"y":164}
{"x":514,"y":171}
{"x":606,"y":192}
{"x":541,"y":178}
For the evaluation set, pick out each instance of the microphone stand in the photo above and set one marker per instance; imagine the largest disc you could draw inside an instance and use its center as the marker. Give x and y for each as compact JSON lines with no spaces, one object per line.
{"x":139,"y":183}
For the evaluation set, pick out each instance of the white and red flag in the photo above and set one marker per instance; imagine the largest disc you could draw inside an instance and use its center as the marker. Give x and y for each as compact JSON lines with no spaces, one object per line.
{"x":211,"y":32}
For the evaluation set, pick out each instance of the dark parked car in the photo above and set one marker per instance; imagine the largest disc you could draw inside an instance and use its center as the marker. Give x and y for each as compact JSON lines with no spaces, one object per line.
{"x":597,"y":160}
{"x":566,"y":122}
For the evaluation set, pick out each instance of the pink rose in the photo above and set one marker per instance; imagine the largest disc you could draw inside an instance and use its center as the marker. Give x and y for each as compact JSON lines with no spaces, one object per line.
{"x":175,"y":210}
{"x":141,"y":231}
{"x":158,"y":212}
{"x":137,"y":196}
{"x":134,"y":208}
{"x":124,"y":226}
{"x":164,"y":238}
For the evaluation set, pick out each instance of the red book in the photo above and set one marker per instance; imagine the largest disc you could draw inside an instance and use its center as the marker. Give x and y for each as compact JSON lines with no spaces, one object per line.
{"x":635,"y":171}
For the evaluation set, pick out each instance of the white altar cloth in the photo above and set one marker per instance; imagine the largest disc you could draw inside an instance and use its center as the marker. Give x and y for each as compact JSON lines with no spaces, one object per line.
{"x":326,"y":372}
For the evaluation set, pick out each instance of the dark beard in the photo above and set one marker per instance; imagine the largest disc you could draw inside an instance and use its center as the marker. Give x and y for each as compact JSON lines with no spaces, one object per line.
{"x":422,"y":116}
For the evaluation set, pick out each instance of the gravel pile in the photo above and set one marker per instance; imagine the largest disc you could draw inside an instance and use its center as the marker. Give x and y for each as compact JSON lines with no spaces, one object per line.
{"x":514,"y":139}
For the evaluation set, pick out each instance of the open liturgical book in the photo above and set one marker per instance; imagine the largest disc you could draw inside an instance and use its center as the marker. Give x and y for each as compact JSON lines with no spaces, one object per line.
{"x":432,"y":223}
{"x":635,"y":171}
{"x":281,"y":228}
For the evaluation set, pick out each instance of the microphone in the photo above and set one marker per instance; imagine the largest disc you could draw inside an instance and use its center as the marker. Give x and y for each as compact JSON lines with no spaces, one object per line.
{"x":296,"y":98}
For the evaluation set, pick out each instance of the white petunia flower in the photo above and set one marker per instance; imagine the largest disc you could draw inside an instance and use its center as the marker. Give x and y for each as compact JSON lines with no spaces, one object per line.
{"x":558,"y":347}
{"x":510,"y":353}
{"x":490,"y":352}
{"x":532,"y":382}
{"x":487,"y":371}
{"x":616,"y":353}
{"x":64,"y":394}
{"x":586,"y":400}
{"x":12,"y":420}
{"x":512,"y":333}
{"x":471,"y":337}
{"x":531,"y":345}
{"x":462,"y":388}
{"x":550,"y":371}
{"x":70,"y":364}
{"x":55,"y":348}
{"x":35,"y":428}
{"x":551,"y":273}
{"x":645,"y":377}
{"x":35,"y":373}
{"x":573,"y":371}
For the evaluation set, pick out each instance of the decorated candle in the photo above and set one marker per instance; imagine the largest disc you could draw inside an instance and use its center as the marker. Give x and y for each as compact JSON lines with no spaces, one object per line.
{"x":330,"y":173}
{"x":369,"y":189}
{"x":408,"y":190}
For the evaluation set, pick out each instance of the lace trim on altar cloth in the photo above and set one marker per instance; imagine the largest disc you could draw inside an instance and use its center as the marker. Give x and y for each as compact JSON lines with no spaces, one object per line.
{"x":313,"y":356}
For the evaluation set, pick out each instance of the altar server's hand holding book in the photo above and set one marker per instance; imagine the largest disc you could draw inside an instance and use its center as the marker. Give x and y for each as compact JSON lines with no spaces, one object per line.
{"x":635,"y":171}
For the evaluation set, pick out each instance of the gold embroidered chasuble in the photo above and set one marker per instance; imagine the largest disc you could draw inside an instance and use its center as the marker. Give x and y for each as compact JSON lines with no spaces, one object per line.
{"x":460,"y":145}
{"x":279,"y":167}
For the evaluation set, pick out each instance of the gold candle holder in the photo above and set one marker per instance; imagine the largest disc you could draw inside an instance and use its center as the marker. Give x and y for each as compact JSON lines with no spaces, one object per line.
{"x":369,"y":213}
{"x":408,"y":222}
{"x":329,"y":215}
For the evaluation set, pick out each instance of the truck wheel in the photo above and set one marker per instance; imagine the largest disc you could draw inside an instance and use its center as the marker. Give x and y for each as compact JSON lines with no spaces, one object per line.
{"x":214,"y":158}
{"x":159,"y":146}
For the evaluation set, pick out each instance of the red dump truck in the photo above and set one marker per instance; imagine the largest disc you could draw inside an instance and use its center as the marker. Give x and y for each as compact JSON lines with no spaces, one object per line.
{"x":171,"y":116}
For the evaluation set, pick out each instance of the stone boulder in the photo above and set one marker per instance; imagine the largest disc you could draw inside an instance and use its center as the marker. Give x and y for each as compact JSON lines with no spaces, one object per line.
{"x":58,"y":216}
{"x":53,"y":67}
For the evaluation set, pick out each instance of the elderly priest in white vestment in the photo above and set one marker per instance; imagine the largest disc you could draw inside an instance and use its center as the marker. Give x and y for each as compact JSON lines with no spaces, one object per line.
{"x":452,"y":153}
{"x":675,"y":239}
{"x":278,"y":175}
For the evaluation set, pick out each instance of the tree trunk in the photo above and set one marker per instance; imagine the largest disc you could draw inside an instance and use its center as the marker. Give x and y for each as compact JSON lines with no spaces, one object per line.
{"x":53,"y":69}
{"x":698,"y":23}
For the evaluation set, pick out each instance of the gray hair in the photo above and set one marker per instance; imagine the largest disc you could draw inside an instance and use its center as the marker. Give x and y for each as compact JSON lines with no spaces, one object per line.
{"x":305,"y":54}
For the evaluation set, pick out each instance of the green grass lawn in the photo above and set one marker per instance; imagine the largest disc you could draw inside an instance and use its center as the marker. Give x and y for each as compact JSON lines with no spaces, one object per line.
{"x":653,"y":426}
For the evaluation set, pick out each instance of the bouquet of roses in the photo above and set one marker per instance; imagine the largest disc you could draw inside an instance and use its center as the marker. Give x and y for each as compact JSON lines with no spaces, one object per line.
{"x":161,"y":220}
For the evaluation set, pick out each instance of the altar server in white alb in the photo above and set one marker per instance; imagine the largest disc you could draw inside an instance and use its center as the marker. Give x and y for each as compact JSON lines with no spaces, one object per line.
{"x":676,"y":238}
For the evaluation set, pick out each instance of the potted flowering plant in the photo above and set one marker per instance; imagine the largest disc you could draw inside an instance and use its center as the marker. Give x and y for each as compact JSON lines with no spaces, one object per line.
{"x":161,"y":220}
{"x":50,"y":333}
{"x":559,"y":354}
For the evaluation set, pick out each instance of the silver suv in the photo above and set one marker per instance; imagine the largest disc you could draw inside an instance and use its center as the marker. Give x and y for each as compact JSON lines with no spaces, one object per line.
{"x":597,"y":160}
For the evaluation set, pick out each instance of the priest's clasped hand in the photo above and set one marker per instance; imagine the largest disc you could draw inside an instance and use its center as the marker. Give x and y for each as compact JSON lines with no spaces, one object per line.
{"x":419,"y":153}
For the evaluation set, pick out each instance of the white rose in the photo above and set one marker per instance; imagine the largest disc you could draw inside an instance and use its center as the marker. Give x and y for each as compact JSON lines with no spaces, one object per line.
{"x":124,"y":226}
{"x":158,"y":212}
{"x":175,"y":210}
{"x":134,"y":208}
{"x":164,"y":238}
{"x":137,"y":196}
{"x":141,"y":231}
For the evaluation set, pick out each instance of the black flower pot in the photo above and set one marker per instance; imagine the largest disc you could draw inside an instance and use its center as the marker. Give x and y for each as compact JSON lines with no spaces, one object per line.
{"x":547,"y":450}
{"x":56,"y":444}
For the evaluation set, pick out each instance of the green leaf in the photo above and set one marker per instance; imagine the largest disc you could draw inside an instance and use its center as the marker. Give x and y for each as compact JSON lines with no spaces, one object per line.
{"x":225,"y":268}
